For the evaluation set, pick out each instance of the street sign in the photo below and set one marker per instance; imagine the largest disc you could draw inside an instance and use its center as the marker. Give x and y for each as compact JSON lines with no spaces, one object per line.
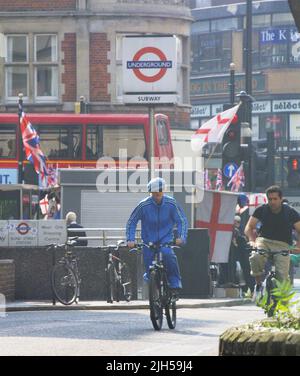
{"x":230,"y":169}
{"x":150,"y":69}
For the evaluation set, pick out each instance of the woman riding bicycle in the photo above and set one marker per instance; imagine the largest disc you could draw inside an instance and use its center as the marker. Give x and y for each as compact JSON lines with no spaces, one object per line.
{"x":275,"y":234}
{"x":159,"y":214}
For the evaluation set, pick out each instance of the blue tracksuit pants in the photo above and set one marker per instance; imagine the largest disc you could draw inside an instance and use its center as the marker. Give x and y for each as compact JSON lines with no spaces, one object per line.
{"x":170,"y":263}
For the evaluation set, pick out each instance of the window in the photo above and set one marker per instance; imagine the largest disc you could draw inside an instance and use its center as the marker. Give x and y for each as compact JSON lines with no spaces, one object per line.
{"x":60,"y":142}
{"x":32,"y":67}
{"x":279,"y":125}
{"x":129,"y":138}
{"x":224,"y":24}
{"x":7,"y":141}
{"x":162,"y":131}
{"x":211,"y":52}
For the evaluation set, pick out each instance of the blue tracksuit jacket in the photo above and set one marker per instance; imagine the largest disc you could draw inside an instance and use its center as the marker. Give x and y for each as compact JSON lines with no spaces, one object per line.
{"x":158,"y":222}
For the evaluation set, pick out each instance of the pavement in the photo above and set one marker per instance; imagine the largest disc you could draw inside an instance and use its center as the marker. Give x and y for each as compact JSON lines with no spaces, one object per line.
{"x":133,"y":305}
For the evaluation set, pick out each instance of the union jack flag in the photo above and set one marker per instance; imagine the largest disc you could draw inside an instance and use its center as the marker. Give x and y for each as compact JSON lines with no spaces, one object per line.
{"x":31,"y":142}
{"x":219,"y":181}
{"x":238,"y":179}
{"x":207,"y":182}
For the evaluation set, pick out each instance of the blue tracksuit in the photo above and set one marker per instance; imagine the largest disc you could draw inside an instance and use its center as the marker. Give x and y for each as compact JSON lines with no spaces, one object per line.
{"x":158,"y":221}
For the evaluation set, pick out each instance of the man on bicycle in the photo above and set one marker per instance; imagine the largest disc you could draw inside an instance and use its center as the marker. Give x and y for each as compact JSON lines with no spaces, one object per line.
{"x":275,"y":234}
{"x":159,"y":214}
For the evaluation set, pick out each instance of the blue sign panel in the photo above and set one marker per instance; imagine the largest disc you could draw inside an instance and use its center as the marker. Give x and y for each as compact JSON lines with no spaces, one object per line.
{"x":279,"y":35}
{"x":8,"y":176}
{"x":230,"y":169}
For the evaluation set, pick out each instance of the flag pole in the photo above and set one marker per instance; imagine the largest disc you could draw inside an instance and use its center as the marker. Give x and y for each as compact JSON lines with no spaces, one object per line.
{"x":20,"y":157}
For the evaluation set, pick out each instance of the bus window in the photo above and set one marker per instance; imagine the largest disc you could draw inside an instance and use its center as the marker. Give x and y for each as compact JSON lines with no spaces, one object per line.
{"x":129,"y":138}
{"x":8,"y":141}
{"x":162,"y":131}
{"x":60,"y":142}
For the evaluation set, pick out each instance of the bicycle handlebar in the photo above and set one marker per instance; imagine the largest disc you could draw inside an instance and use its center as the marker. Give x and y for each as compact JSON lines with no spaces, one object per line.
{"x":155,"y":247}
{"x":70,"y":242}
{"x":283,"y":252}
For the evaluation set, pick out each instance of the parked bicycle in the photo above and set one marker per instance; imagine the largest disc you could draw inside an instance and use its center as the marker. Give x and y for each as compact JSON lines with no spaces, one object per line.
{"x":161,"y":297}
{"x":270,"y":280}
{"x":65,"y":277}
{"x":118,"y":280}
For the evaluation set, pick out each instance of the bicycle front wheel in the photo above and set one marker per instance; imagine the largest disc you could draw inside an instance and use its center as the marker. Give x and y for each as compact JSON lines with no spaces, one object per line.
{"x":65,"y":284}
{"x":170,"y":307}
{"x":155,"y":300}
{"x":170,"y":310}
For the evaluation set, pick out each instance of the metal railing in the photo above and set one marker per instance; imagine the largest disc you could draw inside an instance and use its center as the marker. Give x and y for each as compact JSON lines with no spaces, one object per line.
{"x":106,"y":235}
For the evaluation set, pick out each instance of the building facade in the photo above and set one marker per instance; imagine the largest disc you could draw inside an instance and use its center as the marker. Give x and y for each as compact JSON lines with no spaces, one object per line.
{"x":218,"y":39}
{"x":54,"y":52}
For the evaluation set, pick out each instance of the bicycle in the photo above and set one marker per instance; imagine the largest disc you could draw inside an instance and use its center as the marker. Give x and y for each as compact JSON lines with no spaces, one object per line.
{"x":270,"y":280}
{"x":160,"y":295}
{"x":118,"y":280}
{"x":65,"y":277}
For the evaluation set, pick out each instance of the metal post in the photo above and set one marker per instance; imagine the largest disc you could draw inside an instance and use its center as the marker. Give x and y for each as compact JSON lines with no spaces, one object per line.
{"x":82,"y":105}
{"x":152,"y":141}
{"x":232,"y":83}
{"x":20,"y":143}
{"x":248,"y":57}
{"x":270,"y":156}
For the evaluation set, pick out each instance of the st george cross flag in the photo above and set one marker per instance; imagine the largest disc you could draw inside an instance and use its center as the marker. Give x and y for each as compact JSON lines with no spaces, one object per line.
{"x":238,"y":179}
{"x":256,"y":200}
{"x":214,"y":129}
{"x":216,"y":213}
{"x":31,"y":142}
{"x":44,"y":205}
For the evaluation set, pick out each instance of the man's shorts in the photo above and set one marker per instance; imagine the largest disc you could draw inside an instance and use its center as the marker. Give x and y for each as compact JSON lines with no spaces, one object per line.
{"x":258,"y":262}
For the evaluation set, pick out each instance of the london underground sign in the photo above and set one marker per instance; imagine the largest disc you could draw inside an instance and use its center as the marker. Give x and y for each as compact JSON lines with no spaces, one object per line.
{"x":150,"y":69}
{"x":162,"y":64}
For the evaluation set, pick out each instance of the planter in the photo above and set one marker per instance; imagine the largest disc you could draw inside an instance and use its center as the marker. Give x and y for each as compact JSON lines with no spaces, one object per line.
{"x":262,"y":341}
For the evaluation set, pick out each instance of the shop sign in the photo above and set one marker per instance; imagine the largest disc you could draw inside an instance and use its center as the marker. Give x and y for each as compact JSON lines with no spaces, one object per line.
{"x":220,"y":85}
{"x":279,"y":35}
{"x":200,"y":111}
{"x":290,"y":105}
{"x":261,"y":107}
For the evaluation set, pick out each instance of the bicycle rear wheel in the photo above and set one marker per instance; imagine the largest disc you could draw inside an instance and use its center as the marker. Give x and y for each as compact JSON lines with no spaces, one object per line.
{"x":110,"y":283}
{"x":125,"y":283}
{"x":64,"y":284}
{"x":155,"y":300}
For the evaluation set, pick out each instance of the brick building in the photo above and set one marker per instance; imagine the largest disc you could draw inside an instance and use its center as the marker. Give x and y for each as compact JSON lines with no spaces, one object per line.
{"x":218,"y":38}
{"x":56,"y":51}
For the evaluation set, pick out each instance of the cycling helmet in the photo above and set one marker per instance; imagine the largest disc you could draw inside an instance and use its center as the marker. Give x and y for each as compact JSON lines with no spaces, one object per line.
{"x":156,"y":185}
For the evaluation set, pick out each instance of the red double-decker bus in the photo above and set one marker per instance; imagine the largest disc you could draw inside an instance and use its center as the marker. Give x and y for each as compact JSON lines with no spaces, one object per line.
{"x":72,"y":140}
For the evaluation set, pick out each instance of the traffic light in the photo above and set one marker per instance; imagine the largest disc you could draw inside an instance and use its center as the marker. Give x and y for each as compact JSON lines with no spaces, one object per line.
{"x":293,"y":177}
{"x":231,"y":147}
{"x":261,"y":169}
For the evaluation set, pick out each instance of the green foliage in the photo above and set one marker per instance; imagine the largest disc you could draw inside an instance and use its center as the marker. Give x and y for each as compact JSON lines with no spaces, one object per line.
{"x":281,"y":310}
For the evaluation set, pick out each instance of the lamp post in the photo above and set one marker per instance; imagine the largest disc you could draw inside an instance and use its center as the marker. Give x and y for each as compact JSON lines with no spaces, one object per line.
{"x":20,"y":141}
{"x":232,"y":83}
{"x":248,"y":58}
{"x":270,"y":153}
{"x":246,"y":137}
